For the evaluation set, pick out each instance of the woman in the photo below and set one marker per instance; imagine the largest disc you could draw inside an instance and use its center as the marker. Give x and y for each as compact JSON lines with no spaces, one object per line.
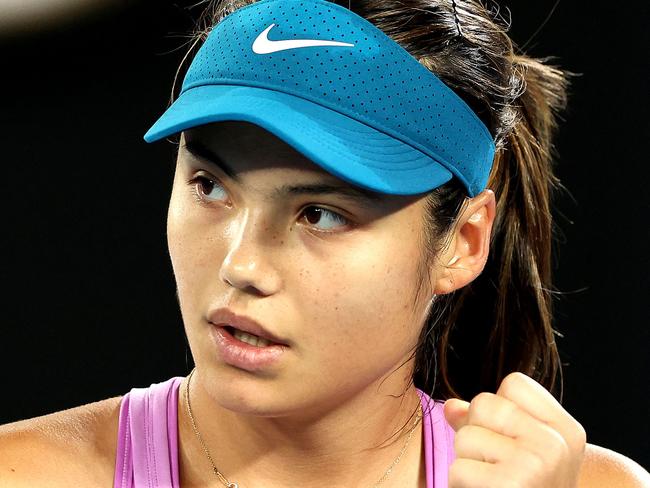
{"x":354,"y":185}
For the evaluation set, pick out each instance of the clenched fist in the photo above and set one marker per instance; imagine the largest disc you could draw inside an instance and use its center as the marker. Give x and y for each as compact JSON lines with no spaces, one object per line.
{"x":519,"y":437}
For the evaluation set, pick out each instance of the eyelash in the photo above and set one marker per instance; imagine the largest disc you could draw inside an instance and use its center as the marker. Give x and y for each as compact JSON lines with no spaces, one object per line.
{"x":193,"y":182}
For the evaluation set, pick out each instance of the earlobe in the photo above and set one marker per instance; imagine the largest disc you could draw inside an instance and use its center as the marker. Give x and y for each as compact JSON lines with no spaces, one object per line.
{"x":465,"y":258}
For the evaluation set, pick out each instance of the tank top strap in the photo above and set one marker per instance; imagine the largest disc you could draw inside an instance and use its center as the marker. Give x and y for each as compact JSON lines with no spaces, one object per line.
{"x":438,"y":442}
{"x":147,"y":443}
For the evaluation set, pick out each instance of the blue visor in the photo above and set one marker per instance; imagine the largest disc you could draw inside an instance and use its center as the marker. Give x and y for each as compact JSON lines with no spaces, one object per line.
{"x":338,"y":90}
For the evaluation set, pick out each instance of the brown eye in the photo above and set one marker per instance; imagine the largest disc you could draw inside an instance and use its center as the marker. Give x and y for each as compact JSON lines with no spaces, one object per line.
{"x":315,"y":215}
{"x":205,"y":187}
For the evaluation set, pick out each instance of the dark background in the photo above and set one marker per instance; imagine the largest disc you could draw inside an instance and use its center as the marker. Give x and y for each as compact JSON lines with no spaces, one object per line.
{"x":90,"y":309}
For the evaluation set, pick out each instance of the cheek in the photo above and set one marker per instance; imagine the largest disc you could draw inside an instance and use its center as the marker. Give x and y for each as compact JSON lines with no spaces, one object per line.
{"x":179,"y":238}
{"x":353,"y":299}
{"x":193,"y":253}
{"x":360,"y":304}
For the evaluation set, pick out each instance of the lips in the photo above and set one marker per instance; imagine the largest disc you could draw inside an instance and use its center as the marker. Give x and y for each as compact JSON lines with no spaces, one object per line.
{"x":256,"y":341}
{"x":226,"y":317}
{"x":245,"y":356}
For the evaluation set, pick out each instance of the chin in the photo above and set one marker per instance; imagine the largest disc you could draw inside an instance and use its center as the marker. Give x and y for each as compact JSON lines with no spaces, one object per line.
{"x":247,"y":393}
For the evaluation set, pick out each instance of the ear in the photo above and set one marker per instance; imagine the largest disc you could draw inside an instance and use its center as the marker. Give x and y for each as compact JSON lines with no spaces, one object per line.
{"x":465,"y":256}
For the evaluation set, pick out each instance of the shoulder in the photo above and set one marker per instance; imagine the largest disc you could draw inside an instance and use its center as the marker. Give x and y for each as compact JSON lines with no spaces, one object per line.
{"x":606,"y":468}
{"x":57,"y":449}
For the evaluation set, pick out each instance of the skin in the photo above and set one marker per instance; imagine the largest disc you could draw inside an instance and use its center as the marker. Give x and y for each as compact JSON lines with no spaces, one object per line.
{"x":518,"y":436}
{"x":332,"y":397}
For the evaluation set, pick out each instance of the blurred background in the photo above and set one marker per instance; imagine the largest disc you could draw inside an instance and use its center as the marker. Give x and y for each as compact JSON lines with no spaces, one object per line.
{"x":90,"y":309}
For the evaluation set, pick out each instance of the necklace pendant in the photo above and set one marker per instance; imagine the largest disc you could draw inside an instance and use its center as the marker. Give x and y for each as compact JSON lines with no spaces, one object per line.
{"x":233,"y":485}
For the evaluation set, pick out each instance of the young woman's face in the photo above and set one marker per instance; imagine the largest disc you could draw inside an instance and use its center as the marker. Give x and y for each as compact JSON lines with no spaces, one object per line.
{"x":339,"y":283}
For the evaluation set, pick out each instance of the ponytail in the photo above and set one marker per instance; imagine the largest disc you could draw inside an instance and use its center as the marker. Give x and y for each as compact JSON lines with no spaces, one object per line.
{"x":502,"y":321}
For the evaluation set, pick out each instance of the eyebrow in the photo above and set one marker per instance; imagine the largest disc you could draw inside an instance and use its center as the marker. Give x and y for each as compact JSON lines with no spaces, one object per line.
{"x":361,"y":196}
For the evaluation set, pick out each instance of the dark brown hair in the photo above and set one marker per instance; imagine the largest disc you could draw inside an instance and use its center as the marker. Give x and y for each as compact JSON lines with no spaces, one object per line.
{"x":502,"y":321}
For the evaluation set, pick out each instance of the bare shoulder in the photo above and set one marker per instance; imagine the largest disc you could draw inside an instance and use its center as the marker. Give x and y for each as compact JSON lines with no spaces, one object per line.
{"x":605,"y":468}
{"x":59,"y":448}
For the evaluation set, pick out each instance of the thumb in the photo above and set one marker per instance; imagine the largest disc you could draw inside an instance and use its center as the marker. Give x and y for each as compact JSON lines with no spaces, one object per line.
{"x":456,"y":412}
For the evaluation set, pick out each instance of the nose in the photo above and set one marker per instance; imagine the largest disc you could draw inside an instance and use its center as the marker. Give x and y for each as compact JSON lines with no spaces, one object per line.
{"x":246,"y":265}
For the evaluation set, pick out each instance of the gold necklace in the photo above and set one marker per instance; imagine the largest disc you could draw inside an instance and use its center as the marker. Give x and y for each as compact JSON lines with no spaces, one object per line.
{"x":232,"y":484}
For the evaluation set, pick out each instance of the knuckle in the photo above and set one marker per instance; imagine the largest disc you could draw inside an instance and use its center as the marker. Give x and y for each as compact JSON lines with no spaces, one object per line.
{"x":512,"y":381}
{"x":460,"y":437}
{"x":463,"y":437}
{"x":532,"y":468}
{"x":546,"y":456}
{"x":551,"y":445}
{"x":506,"y":476}
{"x":455,"y":472}
{"x":557,"y":455}
{"x":578,"y":440}
{"x":481,"y":401}
{"x":551,"y":436}
{"x":508,"y":481}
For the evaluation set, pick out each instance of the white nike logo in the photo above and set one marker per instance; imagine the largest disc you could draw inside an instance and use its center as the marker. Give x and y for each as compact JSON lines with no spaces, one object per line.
{"x":262,"y":44}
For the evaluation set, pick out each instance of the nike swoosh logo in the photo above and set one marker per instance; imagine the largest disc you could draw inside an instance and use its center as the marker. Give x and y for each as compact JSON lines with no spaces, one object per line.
{"x":262,"y":44}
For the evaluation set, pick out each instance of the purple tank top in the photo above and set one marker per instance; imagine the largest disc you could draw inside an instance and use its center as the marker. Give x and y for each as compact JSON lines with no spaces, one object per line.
{"x":147,"y":444}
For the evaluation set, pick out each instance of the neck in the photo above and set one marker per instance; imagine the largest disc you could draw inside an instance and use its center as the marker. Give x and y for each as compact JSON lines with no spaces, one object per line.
{"x":315,"y":448}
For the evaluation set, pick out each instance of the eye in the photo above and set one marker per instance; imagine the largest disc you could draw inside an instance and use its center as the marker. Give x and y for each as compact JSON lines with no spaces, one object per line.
{"x":203,"y":187}
{"x":208,"y":190}
{"x":315,"y":214}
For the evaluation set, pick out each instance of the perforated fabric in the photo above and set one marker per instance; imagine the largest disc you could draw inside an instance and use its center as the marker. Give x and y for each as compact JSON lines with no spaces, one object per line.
{"x":361,"y":107}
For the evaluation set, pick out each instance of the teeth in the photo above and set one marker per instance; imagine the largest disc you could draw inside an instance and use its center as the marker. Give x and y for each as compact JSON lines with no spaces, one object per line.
{"x":253,"y":340}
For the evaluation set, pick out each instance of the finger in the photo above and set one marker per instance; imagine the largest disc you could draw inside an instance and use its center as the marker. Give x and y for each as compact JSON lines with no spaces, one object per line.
{"x":533,"y":398}
{"x":503,"y":416}
{"x":469,"y":473}
{"x":455,"y":411}
{"x":481,"y":444}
